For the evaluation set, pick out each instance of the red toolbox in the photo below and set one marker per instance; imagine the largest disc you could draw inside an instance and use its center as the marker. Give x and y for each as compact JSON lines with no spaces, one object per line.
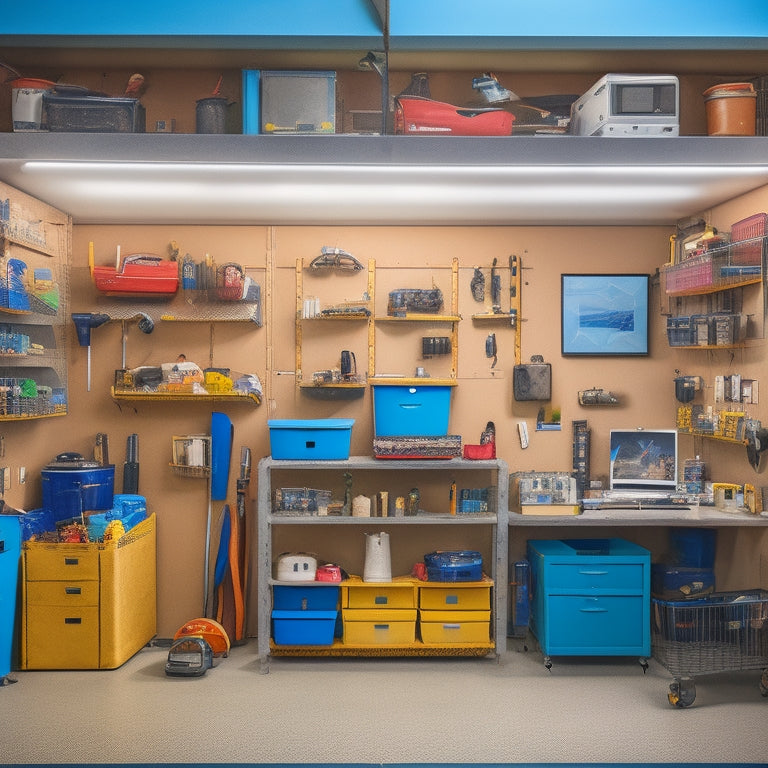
{"x":417,"y":116}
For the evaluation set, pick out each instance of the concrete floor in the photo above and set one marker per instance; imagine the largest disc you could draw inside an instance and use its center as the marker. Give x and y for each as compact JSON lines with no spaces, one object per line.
{"x":437,"y":710}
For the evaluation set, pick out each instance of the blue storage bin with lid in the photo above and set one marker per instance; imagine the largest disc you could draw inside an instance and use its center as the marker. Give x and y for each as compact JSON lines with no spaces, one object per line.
{"x":421,"y":410}
{"x":310,"y":439}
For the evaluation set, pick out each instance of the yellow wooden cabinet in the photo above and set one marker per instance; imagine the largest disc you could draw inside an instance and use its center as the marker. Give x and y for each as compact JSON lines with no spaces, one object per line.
{"x":88,"y":606}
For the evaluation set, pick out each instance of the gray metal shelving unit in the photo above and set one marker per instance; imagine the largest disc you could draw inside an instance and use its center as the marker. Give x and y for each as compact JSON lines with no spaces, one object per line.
{"x":448,"y":469}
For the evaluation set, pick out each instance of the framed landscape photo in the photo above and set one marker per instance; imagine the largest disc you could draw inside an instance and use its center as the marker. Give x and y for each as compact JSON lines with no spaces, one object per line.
{"x":604,"y":314}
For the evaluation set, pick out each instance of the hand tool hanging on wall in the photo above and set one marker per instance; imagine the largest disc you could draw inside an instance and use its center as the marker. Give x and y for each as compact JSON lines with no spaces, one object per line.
{"x":491,"y":352}
{"x":84,"y":321}
{"x":131,"y":466}
{"x":221,"y":451}
{"x":495,"y":289}
{"x":477,"y":285}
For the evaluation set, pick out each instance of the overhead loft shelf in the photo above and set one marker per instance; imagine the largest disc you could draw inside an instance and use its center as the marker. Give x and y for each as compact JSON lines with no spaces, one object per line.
{"x":359,"y":180}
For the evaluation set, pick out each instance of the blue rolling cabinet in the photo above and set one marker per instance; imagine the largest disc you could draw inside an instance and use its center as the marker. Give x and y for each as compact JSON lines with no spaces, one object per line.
{"x":10,"y":556}
{"x":590,"y":597}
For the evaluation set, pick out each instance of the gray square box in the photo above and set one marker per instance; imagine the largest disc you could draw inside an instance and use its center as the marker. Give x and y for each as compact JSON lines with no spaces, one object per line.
{"x":298,"y":102}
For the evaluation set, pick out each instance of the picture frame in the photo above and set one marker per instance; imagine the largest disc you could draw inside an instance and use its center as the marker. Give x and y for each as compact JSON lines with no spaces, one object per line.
{"x":605,"y":314}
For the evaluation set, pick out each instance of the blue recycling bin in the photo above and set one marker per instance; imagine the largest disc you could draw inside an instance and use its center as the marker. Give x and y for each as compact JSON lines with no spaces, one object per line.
{"x":10,"y":555}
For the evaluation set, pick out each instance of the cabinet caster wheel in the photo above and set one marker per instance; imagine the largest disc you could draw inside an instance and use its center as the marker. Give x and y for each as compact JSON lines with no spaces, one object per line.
{"x":682,"y":693}
{"x":548,"y":662}
{"x":764,"y":683}
{"x":644,"y":664}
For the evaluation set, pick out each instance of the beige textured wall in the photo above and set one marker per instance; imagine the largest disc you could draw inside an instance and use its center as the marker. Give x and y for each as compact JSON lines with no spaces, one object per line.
{"x":409,"y":256}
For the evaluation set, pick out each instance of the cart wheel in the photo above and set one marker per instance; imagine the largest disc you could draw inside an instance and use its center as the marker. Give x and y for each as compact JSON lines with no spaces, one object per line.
{"x":682,"y":693}
{"x":764,"y":683}
{"x":643,"y":664}
{"x":548,"y":662}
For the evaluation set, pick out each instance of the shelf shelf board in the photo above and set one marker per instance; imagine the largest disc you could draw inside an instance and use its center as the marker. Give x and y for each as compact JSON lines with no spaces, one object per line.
{"x":430,"y":518}
{"x":32,"y":416}
{"x":416,"y":648}
{"x":340,"y":391}
{"x":717,"y":288}
{"x":418,"y":318}
{"x":186,"y":397}
{"x":412,"y":381}
{"x":719,"y":438}
{"x":692,"y":516}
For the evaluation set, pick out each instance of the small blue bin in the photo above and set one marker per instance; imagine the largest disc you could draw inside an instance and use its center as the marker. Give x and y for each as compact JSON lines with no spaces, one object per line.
{"x":419,"y":410}
{"x":305,"y":598}
{"x":310,"y":439}
{"x":303,"y":627}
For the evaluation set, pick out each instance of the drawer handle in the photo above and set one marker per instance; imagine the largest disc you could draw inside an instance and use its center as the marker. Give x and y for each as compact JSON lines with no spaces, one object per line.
{"x":593,"y":573}
{"x":593,"y":610}
{"x":72,"y":591}
{"x":451,"y":626}
{"x":452,"y":600}
{"x":381,"y":626}
{"x":380,"y":599}
{"x":71,"y":560}
{"x":73,"y":620}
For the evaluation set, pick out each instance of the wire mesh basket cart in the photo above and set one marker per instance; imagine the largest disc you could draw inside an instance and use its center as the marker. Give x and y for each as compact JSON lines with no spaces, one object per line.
{"x":721,"y":632}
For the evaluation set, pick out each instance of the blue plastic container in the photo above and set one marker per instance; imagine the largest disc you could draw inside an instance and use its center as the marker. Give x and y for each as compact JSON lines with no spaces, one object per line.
{"x":310,"y":439}
{"x":10,"y":556}
{"x":303,"y":627}
{"x":419,"y":410}
{"x":693,"y":547}
{"x":305,"y":598}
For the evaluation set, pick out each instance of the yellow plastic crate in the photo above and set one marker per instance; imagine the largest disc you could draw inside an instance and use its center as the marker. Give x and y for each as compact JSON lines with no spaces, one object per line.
{"x":397,"y":594}
{"x":390,"y":626}
{"x":453,"y":627}
{"x":459,"y":596}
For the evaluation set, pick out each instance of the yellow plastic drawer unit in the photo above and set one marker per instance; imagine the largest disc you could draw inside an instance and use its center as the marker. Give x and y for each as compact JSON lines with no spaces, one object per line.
{"x":462,"y":596}
{"x":397,"y":594}
{"x":455,"y":627}
{"x":61,"y":562}
{"x":88,"y":606}
{"x":387,"y":627}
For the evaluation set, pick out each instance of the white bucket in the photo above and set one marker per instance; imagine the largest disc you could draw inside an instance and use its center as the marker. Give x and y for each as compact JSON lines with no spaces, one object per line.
{"x":27,"y":109}
{"x":378,"y":561}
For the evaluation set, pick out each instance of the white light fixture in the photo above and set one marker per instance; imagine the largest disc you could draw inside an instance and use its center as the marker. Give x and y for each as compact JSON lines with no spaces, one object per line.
{"x":379,"y":193}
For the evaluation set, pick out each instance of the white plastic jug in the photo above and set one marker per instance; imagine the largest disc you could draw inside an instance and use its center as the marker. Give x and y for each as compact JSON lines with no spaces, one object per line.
{"x":378,"y":561}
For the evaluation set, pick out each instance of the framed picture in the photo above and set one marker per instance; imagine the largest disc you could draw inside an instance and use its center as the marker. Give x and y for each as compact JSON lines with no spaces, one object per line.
{"x":604,"y":314}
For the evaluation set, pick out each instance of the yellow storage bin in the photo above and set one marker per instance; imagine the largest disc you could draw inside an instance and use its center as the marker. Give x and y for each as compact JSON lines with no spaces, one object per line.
{"x":455,"y":627}
{"x":61,"y":562}
{"x":379,"y":627}
{"x":460,"y":596}
{"x":398,"y":594}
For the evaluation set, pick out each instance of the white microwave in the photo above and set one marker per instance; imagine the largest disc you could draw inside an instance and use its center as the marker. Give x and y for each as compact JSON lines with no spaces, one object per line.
{"x":628,"y":105}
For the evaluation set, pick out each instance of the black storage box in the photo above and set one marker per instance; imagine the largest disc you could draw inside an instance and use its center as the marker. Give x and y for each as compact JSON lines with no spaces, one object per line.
{"x":532,"y":381}
{"x":93,"y":114}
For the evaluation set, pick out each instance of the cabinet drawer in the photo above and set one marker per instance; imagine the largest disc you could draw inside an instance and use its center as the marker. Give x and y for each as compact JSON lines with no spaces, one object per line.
{"x":597,"y":624}
{"x":455,"y":598}
{"x":379,"y":627}
{"x":62,"y":638}
{"x":62,"y":562}
{"x":605,"y":575}
{"x":446,"y":627}
{"x":381,"y":596}
{"x":62,"y":593}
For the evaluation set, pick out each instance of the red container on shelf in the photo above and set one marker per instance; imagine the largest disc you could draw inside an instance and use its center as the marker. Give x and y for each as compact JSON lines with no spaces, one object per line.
{"x":417,"y":116}
{"x":752,"y":229}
